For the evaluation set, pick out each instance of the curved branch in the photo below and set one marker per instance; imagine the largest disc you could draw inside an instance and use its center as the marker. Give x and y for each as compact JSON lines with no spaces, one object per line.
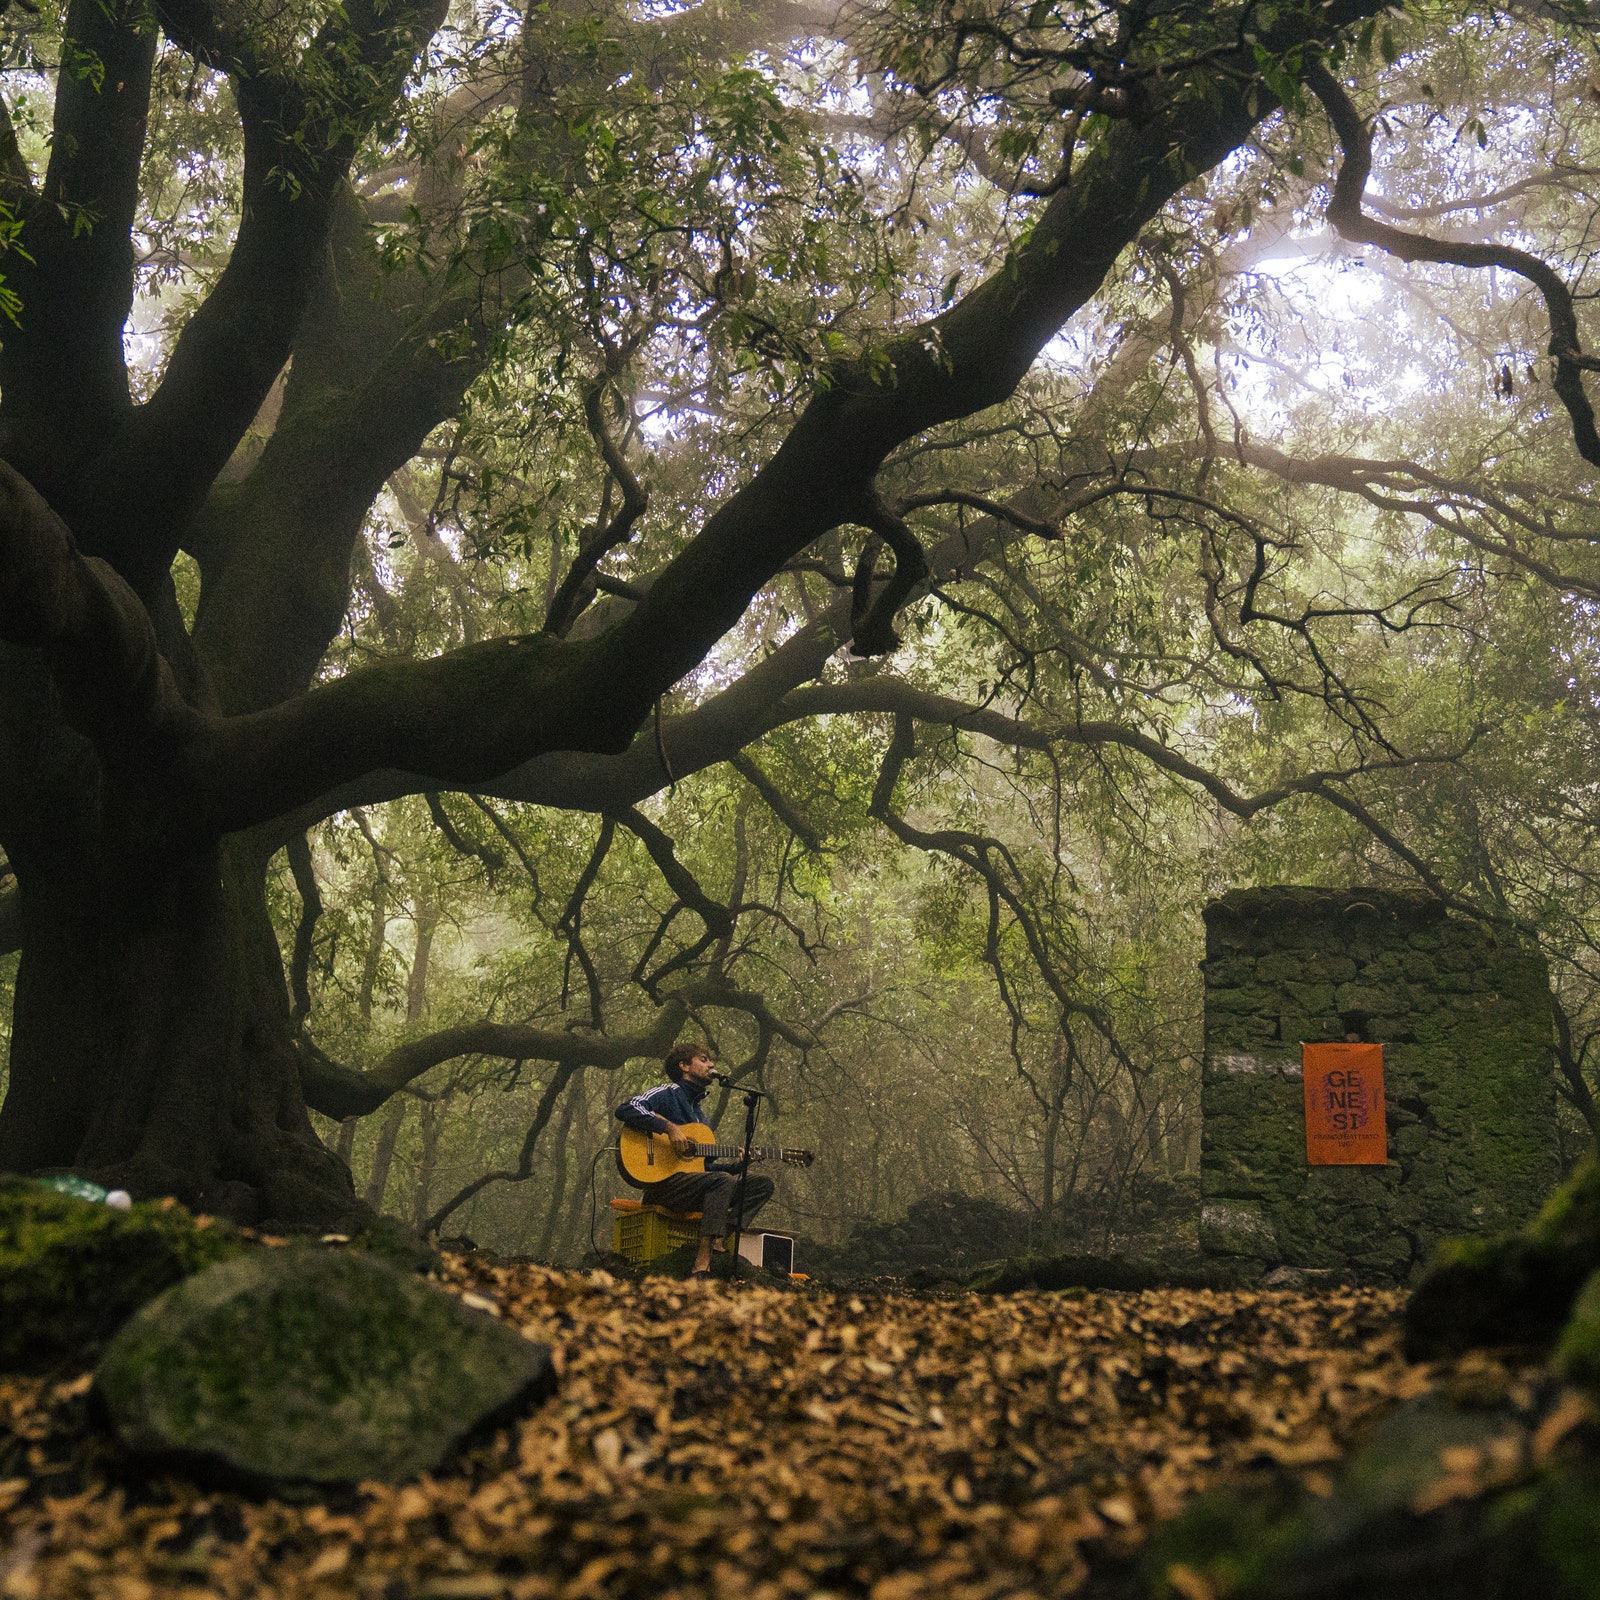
{"x":490,"y":858}
{"x":305,"y":882}
{"x":338,"y":1091}
{"x":717,"y":917}
{"x":579,"y":584}
{"x":781,"y":806}
{"x":1346,"y":215}
{"x":872,"y":620}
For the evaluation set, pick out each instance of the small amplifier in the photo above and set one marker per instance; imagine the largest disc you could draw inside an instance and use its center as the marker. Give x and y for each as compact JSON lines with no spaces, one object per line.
{"x":774,"y":1252}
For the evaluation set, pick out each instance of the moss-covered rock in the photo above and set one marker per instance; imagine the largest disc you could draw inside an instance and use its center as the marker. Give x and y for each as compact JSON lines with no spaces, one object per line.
{"x":1451,"y":1500}
{"x":1578,"y":1355}
{"x":1515,"y":1289}
{"x":311,"y":1366}
{"x":72,"y":1272}
{"x":391,"y":1239}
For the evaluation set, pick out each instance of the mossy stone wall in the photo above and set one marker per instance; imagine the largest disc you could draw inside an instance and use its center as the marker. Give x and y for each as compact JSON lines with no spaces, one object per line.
{"x":1464,"y":1018}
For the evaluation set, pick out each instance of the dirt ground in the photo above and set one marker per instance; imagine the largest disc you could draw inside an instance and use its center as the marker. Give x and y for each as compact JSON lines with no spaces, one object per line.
{"x":726,"y":1441}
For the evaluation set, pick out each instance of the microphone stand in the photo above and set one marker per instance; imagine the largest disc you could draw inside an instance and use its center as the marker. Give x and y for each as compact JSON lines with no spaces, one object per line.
{"x":752,"y":1102}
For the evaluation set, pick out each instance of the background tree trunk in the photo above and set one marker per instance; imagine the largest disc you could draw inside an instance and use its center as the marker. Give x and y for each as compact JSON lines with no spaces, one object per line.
{"x":416,"y":1009}
{"x":558,"y":1174}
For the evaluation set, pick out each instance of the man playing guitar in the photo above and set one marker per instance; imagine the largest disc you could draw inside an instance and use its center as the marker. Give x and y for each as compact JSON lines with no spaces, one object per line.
{"x":666,"y":1109}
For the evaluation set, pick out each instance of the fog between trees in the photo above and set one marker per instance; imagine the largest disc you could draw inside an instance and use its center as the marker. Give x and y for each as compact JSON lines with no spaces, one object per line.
{"x":1182,"y":541}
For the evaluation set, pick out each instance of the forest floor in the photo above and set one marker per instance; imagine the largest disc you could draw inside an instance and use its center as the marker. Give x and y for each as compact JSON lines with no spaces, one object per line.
{"x":735,"y":1441}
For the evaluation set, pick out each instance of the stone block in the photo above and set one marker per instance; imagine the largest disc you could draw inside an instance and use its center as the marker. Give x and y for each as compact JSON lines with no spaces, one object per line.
{"x":1228,"y":972}
{"x":1373,"y":999}
{"x":1312,"y":998}
{"x":1249,"y":997}
{"x":1281,"y":967}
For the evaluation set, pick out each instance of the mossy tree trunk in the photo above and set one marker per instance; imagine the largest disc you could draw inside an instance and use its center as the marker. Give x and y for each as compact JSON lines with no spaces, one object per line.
{"x":151,"y":1044}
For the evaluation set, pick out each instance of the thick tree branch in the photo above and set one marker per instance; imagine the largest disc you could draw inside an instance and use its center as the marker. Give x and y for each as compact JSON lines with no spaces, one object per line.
{"x":463,"y":719}
{"x":62,"y":377}
{"x":380,"y":359}
{"x":141,"y":494}
{"x":1345,"y":213}
{"x":338,"y":1091}
{"x":115,"y":685}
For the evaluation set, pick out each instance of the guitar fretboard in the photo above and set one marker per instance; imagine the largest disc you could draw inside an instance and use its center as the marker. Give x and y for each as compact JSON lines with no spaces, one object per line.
{"x":730,"y":1152}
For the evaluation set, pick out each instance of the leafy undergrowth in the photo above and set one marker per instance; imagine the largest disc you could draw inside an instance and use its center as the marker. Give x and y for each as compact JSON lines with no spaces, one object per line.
{"x":740,"y":1441}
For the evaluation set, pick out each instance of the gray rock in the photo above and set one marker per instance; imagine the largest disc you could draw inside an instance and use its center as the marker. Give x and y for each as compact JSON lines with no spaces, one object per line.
{"x":1237,"y":1228}
{"x":1285,"y":1278}
{"x":308,"y":1366}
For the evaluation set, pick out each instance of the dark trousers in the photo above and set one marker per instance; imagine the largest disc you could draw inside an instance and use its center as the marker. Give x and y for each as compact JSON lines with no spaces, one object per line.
{"x":711,"y":1194}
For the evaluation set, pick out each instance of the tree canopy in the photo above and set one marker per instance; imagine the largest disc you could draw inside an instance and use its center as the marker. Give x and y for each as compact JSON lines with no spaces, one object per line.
{"x":527,"y":531}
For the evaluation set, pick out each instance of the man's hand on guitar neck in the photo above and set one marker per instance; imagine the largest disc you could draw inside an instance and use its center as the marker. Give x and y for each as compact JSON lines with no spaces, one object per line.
{"x":685,"y":1144}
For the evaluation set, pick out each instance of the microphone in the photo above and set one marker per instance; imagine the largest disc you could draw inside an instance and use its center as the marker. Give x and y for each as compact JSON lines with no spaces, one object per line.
{"x":736,"y":1086}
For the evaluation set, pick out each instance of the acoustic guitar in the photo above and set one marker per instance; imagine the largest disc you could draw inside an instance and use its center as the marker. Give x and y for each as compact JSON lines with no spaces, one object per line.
{"x":646,"y":1158}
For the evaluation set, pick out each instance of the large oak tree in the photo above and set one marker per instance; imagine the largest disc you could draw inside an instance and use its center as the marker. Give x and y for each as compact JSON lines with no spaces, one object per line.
{"x":154,"y":759}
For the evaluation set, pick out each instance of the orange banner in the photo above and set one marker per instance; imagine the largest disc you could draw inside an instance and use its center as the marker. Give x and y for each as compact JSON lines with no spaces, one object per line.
{"x":1345,"y":1122}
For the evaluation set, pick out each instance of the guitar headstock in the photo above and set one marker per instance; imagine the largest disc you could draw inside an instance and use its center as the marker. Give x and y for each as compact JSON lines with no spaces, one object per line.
{"x":797,"y":1158}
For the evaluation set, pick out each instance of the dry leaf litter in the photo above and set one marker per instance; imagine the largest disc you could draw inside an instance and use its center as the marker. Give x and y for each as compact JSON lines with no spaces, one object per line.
{"x":725,"y":1441}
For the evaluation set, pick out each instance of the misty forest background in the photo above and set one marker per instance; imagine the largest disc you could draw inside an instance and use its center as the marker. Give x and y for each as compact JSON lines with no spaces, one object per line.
{"x":1280,"y":568}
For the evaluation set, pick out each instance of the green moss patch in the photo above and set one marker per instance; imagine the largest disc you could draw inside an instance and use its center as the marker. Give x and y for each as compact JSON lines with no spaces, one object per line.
{"x":72,"y":1271}
{"x":1449,"y":1500}
{"x":1578,"y":1356}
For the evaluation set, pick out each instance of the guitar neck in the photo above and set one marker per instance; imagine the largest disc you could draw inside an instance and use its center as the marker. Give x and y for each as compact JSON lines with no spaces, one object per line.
{"x":730,"y":1152}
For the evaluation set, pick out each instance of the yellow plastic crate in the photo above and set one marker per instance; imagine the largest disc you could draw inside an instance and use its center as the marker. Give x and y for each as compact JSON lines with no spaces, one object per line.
{"x":644,"y":1234}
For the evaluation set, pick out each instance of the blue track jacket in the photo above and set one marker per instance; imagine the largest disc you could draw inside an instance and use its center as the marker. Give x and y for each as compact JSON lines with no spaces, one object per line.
{"x":651,"y":1111}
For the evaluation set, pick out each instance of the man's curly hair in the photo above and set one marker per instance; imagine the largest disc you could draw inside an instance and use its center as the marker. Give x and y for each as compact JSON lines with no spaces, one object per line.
{"x":680,"y":1055}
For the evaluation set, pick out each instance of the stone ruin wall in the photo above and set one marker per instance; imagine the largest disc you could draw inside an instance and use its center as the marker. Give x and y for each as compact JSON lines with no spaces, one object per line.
{"x":1465,"y":1022}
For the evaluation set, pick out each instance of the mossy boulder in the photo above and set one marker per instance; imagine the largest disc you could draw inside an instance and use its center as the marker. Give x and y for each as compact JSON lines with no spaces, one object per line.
{"x":1518,"y":1288}
{"x":390,"y":1238}
{"x":72,"y":1271}
{"x":311,"y":1366}
{"x":1578,"y":1354}
{"x":1451,"y":1500}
